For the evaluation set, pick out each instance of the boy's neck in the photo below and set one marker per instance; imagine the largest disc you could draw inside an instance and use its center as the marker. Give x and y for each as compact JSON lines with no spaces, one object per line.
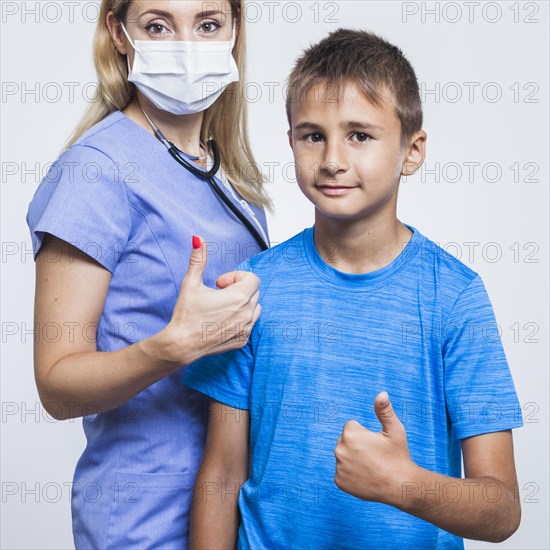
{"x":360,"y":246}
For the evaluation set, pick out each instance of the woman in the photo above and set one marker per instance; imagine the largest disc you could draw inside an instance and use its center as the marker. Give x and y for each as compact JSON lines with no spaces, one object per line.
{"x":113,"y":225}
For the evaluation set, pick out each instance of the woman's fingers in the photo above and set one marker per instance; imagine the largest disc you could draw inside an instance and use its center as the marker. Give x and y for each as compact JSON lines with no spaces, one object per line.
{"x":257,"y":312}
{"x":243,"y":279}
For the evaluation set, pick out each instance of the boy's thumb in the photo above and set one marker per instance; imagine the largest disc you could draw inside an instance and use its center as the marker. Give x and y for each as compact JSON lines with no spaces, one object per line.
{"x":197,"y":262}
{"x":385,"y":413}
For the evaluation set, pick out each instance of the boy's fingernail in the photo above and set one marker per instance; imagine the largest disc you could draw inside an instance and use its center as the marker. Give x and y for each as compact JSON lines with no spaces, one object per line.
{"x":196,"y":242}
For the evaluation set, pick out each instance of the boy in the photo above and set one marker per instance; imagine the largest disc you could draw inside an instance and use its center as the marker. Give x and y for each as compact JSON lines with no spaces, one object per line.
{"x":353,"y":309}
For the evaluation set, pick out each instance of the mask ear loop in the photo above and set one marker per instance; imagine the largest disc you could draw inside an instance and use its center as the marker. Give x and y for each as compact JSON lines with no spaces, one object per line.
{"x":127,"y":35}
{"x":132,"y":44}
{"x":233,"y":37}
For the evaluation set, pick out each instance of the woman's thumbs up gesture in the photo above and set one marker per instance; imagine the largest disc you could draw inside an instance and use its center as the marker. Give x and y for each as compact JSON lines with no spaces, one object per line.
{"x":207,"y":321}
{"x":373,"y":465}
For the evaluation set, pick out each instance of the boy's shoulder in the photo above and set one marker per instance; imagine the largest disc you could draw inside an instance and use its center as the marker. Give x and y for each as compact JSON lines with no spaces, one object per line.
{"x":449,"y":275}
{"x":277,"y":256}
{"x":279,"y":259}
{"x":448,"y":265}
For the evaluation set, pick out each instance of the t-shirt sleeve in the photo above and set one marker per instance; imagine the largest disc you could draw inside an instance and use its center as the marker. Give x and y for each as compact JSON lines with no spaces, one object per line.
{"x":225,"y":377}
{"x":82,"y":200}
{"x":479,"y":389}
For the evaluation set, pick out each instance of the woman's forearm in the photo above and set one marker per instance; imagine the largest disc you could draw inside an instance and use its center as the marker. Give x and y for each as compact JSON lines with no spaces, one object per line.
{"x":92,"y":382}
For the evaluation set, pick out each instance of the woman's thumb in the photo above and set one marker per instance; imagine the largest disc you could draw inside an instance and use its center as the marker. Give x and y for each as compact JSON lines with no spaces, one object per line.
{"x":197,"y":261}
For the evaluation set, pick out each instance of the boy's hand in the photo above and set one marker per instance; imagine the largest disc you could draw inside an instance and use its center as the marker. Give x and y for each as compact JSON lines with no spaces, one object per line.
{"x":373,"y":465}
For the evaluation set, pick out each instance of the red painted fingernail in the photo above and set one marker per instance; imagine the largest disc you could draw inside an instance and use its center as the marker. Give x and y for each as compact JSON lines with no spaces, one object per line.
{"x":196,"y":242}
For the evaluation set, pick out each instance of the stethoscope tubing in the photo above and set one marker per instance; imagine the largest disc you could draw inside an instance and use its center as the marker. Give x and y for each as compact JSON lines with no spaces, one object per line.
{"x":209,"y":177}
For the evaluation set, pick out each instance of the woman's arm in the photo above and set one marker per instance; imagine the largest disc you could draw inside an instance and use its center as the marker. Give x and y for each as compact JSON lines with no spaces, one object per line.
{"x":224,"y":469}
{"x":74,"y":379}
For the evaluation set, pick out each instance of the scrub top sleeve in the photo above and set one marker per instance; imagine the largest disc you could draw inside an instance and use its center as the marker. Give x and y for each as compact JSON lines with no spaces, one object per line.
{"x":479,"y":389}
{"x":83,"y":201}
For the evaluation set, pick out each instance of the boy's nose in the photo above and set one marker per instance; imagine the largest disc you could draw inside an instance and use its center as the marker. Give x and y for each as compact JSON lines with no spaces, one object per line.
{"x":334,"y":160}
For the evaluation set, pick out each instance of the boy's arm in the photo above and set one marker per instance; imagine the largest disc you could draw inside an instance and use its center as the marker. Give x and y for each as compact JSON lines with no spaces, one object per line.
{"x":483,"y":506}
{"x":224,"y":468}
{"x":377,"y":466}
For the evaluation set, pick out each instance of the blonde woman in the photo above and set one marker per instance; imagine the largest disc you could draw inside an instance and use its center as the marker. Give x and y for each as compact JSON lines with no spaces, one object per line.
{"x":121,"y":226}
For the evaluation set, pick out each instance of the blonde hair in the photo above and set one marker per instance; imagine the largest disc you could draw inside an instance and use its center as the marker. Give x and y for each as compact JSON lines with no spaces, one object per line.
{"x":225,"y":121}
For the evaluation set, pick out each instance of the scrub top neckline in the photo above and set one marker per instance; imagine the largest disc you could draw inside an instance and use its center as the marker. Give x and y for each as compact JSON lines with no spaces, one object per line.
{"x":209,"y":160}
{"x":359,"y":281}
{"x":220,"y":176}
{"x":151,"y":136}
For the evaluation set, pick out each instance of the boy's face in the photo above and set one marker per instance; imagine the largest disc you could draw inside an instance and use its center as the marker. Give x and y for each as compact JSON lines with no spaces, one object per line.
{"x":349,"y":153}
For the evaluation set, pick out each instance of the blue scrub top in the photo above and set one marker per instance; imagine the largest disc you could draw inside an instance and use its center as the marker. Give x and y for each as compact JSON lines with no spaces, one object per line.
{"x":118,"y":196}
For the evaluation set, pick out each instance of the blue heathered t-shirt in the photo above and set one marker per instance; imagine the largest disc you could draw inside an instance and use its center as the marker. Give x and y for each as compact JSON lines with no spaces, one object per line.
{"x":327,"y":342}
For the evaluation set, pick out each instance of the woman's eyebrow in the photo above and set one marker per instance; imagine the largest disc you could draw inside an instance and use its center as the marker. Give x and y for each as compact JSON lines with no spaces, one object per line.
{"x":168,"y":15}
{"x":208,"y":13}
{"x":161,"y":13}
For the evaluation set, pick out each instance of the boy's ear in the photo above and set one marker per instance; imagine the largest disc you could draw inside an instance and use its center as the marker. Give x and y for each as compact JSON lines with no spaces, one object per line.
{"x":416,"y":153}
{"x":289,"y":134}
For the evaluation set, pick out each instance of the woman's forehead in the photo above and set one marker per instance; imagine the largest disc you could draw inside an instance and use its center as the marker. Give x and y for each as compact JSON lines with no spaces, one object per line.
{"x":182,"y":7}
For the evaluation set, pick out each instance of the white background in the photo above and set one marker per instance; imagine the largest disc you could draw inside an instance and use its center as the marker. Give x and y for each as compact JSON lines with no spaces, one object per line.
{"x":496,"y":47}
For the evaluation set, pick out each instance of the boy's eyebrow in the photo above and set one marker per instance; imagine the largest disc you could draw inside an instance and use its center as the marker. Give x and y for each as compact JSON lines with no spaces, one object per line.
{"x":349,"y":125}
{"x":307,"y":126}
{"x":353,"y":124}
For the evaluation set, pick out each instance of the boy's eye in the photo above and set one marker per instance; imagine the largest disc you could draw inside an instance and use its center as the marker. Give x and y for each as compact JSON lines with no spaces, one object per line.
{"x":157,"y":29}
{"x":209,"y":27}
{"x":361,"y":137}
{"x":313,"y":138}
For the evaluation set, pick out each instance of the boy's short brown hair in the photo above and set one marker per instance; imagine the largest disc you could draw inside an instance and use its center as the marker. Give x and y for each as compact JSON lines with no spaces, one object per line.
{"x":367,"y":60}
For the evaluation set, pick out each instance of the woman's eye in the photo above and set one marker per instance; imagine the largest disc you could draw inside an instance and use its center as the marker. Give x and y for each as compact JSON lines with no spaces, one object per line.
{"x":156,"y":29}
{"x":209,"y":27}
{"x":361,"y":137}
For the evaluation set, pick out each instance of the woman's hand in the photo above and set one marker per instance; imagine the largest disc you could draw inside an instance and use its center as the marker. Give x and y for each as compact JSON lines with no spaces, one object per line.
{"x":207,"y":321}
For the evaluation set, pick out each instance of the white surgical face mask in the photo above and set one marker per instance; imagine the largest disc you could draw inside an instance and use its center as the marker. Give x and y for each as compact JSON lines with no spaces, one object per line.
{"x":182,"y":77}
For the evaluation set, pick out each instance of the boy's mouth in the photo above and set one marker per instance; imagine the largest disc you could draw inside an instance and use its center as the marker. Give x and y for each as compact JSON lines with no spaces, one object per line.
{"x":334,"y":189}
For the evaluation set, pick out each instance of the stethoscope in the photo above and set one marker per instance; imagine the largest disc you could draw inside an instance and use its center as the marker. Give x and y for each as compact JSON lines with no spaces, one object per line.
{"x":208,"y":175}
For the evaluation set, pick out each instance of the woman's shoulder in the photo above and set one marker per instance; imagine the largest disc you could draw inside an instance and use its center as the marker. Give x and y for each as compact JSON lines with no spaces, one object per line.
{"x":116,"y":136}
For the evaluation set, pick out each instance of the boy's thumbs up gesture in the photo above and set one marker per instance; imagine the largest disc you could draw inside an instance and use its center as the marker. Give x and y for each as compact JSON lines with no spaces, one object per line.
{"x":373,"y":465}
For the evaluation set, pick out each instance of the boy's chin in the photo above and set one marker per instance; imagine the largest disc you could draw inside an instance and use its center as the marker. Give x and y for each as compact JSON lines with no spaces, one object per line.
{"x":338,"y":215}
